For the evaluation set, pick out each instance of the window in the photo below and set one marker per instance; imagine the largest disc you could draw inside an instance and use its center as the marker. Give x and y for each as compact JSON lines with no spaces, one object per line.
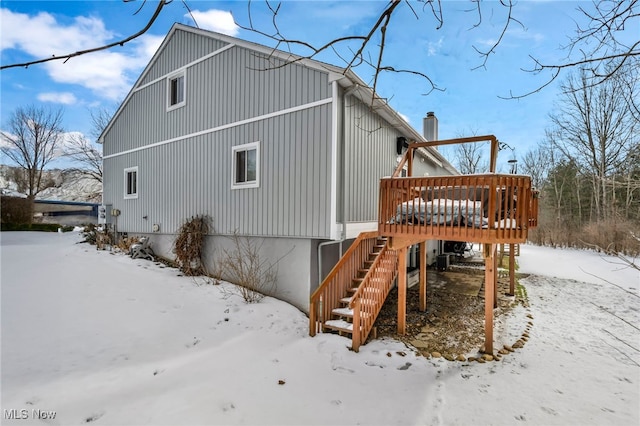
{"x":246,"y":165}
{"x":131,"y":182}
{"x":176,"y":87}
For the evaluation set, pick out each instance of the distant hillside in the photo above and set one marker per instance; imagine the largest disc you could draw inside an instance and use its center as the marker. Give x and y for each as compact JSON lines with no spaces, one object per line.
{"x":65,"y":185}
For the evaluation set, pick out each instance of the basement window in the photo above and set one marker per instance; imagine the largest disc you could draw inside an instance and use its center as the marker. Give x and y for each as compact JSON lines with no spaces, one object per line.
{"x":176,"y":88}
{"x":131,"y":182}
{"x":246,"y":165}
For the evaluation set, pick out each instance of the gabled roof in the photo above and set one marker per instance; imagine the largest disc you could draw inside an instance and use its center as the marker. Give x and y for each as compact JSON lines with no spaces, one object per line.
{"x":347,"y":79}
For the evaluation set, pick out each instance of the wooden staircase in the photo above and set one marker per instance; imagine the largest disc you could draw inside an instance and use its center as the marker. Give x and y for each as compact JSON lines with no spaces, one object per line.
{"x":353,"y":293}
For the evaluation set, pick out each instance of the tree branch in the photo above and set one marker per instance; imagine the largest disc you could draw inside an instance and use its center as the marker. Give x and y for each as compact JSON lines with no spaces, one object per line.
{"x":153,"y":18}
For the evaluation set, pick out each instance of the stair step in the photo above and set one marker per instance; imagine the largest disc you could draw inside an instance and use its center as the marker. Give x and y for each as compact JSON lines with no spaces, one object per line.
{"x":366,"y":290}
{"x":358,"y":281}
{"x":346,"y":312}
{"x":339,"y":325}
{"x":347,"y":300}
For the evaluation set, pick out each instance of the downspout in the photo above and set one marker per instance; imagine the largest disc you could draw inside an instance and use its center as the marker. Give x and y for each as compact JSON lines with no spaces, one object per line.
{"x":337,"y":133}
{"x":341,"y":138}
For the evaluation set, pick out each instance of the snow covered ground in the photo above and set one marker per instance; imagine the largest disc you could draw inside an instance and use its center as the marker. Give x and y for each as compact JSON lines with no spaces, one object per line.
{"x":94,"y":337}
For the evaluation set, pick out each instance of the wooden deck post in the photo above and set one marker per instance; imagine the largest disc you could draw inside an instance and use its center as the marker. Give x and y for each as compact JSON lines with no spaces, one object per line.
{"x":495,"y":282}
{"x":402,"y":291}
{"x":512,"y":269}
{"x":489,"y":295}
{"x":355,"y":333}
{"x":312,"y":319}
{"x":423,"y":276}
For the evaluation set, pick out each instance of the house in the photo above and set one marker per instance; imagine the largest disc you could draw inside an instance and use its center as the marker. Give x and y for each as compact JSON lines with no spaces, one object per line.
{"x":285,"y":151}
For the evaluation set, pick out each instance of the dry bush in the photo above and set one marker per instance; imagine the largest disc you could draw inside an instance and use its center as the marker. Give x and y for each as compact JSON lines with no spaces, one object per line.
{"x":15,"y":210}
{"x":242,"y":265}
{"x":612,"y":236}
{"x":89,"y":234}
{"x":125,"y":243}
{"x":189,"y":245}
{"x":104,"y":239}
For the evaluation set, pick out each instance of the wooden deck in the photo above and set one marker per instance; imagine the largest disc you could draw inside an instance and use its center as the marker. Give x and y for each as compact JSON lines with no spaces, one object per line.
{"x":488,"y":208}
{"x":491,"y":209}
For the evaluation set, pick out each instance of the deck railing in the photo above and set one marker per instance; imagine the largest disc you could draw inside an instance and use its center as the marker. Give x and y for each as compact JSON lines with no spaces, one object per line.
{"x":334,"y":287}
{"x":371,"y":294}
{"x":533,"y":209}
{"x":489,"y":208}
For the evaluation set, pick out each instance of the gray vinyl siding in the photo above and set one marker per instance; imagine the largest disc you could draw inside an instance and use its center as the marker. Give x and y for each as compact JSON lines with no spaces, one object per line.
{"x":193,"y":176}
{"x":182,"y":48}
{"x":220,"y":90}
{"x":184,"y":158}
{"x":370,"y":153}
{"x":425,"y":167}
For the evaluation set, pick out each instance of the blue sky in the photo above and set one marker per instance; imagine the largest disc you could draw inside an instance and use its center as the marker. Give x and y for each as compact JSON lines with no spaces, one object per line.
{"x":469,"y":104}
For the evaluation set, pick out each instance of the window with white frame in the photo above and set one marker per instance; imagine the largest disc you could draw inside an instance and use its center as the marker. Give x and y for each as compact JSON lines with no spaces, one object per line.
{"x":176,"y":90}
{"x":131,"y":182}
{"x":246,"y":165}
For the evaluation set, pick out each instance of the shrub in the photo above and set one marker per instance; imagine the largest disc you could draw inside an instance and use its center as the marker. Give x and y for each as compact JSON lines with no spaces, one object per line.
{"x":98,"y":236}
{"x":242,"y":265}
{"x":15,"y":210}
{"x":125,"y":243}
{"x":189,"y":245}
{"x":42,"y":227}
{"x":611,"y":236}
{"x":89,"y":234}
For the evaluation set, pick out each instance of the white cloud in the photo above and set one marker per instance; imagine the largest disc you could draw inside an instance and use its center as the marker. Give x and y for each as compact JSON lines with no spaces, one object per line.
{"x":215,"y":20}
{"x":45,"y":37}
{"x":109,"y":73}
{"x":434,"y":47}
{"x":148,"y":45}
{"x":487,"y":42}
{"x":524,"y":34}
{"x":404,"y":117}
{"x":65,"y":98}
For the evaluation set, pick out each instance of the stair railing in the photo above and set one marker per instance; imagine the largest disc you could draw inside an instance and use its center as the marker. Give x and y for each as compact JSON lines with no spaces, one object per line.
{"x":334,"y":287}
{"x":367,"y":301}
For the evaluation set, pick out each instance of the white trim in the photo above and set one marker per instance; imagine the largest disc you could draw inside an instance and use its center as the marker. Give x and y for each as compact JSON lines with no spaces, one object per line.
{"x":333,"y":203}
{"x":190,"y":64}
{"x":224,"y":126}
{"x":126,"y":172}
{"x":355,"y":228}
{"x":171,"y":77}
{"x":245,"y":147}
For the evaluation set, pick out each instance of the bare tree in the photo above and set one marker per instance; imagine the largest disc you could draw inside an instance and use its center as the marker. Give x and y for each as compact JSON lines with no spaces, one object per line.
{"x":596,"y":128}
{"x":31,"y":141}
{"x":86,"y":156}
{"x":536,"y":163}
{"x":100,"y":119}
{"x":469,"y":158}
{"x":597,"y":47}
{"x":628,"y":177}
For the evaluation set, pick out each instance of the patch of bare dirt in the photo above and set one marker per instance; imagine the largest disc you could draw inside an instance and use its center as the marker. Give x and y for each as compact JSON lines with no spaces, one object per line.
{"x":453,"y":324}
